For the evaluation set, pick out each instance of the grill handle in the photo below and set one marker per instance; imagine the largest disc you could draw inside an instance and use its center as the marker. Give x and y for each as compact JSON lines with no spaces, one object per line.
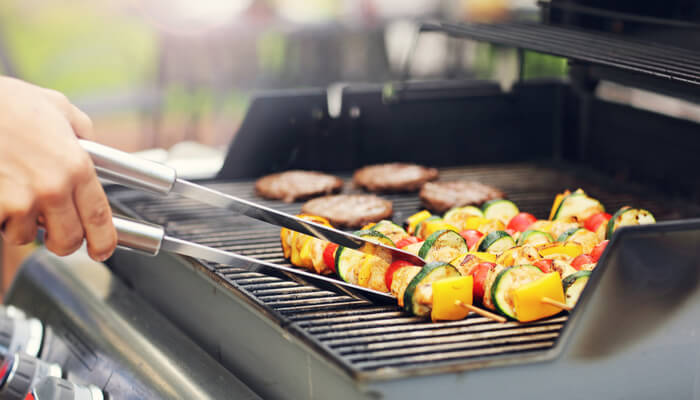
{"x":139,"y":236}
{"x":129,"y":170}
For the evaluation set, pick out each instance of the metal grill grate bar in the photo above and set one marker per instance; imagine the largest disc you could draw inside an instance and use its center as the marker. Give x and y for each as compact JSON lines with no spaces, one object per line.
{"x":445,"y":341}
{"x":344,"y":338}
{"x":452,"y":355}
{"x":467,"y":343}
{"x":604,"y":49}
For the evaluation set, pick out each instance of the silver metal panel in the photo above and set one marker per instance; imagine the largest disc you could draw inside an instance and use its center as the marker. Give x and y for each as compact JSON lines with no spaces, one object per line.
{"x":103,"y":334}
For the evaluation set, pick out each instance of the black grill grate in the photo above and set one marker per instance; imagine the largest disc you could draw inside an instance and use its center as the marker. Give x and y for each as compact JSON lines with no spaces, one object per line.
{"x":658,"y":60}
{"x":367,"y":339}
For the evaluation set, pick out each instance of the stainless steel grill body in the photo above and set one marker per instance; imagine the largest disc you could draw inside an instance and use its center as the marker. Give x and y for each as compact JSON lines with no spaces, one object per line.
{"x":244,"y":316}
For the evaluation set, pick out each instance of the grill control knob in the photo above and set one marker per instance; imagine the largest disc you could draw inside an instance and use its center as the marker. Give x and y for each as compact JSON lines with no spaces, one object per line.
{"x":52,"y":388}
{"x":20,"y":336}
{"x":20,"y":372}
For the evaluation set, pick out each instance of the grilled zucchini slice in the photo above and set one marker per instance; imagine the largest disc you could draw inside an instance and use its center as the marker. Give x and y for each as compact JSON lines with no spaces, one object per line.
{"x":627,"y":216}
{"x":568,"y":233}
{"x":577,"y":206}
{"x":443,"y":245}
{"x":507,"y":280}
{"x":500,"y":209}
{"x":458,"y":216}
{"x":573,"y":286}
{"x":587,"y":239}
{"x":347,"y":264}
{"x":418,"y":295}
{"x":353,"y":266}
{"x":390,"y":230}
{"x":534,"y":237}
{"x":496,"y":242}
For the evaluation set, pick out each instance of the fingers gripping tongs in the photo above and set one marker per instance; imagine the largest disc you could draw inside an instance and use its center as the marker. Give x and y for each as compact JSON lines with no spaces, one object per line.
{"x":137,"y":173}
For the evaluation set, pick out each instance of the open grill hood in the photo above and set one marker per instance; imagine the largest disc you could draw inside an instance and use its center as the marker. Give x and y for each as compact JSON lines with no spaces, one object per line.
{"x":287,"y":338}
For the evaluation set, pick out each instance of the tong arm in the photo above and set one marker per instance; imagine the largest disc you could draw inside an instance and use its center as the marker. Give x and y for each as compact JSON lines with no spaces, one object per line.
{"x":129,"y":170}
{"x":141,"y":236}
{"x":149,"y":239}
{"x":132,"y":171}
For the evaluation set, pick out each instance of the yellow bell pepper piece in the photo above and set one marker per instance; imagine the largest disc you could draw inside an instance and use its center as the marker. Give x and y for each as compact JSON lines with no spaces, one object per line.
{"x":542,"y":225}
{"x":527,"y":299}
{"x":484,"y":257}
{"x":484,"y":225}
{"x":305,"y":253}
{"x":368,"y":261}
{"x":446,"y":292}
{"x":368,"y":226}
{"x":475,"y":222}
{"x":416,"y":219}
{"x":557,"y":203}
{"x":365,"y":271}
{"x":437,"y":225}
{"x":295,"y":249}
{"x":570,"y":249}
{"x":314,"y":218}
{"x":507,"y":259}
{"x":488,"y":257}
{"x":286,"y":249}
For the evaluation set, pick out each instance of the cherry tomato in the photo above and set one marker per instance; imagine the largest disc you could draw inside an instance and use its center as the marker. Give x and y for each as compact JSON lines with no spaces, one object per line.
{"x":598,"y":250}
{"x":480,"y":273}
{"x":329,"y":255}
{"x":407,"y":241}
{"x":521,"y":222}
{"x":593,"y":222}
{"x":396,"y":265}
{"x":544,"y":265}
{"x":471,"y":236}
{"x":581,"y":260}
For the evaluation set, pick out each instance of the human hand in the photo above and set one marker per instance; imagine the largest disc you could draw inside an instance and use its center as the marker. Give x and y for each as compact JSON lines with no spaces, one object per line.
{"x":46,"y":176}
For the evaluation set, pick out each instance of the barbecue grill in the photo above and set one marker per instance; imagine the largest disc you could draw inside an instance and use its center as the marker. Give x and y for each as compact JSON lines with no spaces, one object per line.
{"x":286,"y":337}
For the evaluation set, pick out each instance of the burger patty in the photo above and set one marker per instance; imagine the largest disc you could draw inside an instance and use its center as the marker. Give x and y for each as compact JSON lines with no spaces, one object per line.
{"x":349,"y":210}
{"x":394,"y":177}
{"x":293,"y":185}
{"x":441,"y":196}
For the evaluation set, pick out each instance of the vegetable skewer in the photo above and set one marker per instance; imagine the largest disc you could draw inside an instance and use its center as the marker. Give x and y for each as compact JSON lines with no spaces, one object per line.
{"x":499,"y":257}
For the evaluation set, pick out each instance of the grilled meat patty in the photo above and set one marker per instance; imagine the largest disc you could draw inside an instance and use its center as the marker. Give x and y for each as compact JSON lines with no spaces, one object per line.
{"x":349,"y":210}
{"x":294,"y":185}
{"x":394,"y":177}
{"x":441,"y":196}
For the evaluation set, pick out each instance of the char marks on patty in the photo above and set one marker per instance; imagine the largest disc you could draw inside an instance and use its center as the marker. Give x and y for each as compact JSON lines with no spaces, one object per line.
{"x":295,"y":185}
{"x":394,"y":177}
{"x":441,"y":196}
{"x":349,"y":210}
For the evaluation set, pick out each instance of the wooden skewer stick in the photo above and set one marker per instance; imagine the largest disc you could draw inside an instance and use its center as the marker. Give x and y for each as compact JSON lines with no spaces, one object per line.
{"x":482,"y":312}
{"x":552,"y":302}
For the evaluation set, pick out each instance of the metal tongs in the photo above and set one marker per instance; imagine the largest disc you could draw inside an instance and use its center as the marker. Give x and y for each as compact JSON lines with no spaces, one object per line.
{"x":137,"y":173}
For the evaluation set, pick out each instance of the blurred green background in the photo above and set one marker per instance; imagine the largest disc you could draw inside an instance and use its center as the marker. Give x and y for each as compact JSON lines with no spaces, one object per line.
{"x":152,"y":73}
